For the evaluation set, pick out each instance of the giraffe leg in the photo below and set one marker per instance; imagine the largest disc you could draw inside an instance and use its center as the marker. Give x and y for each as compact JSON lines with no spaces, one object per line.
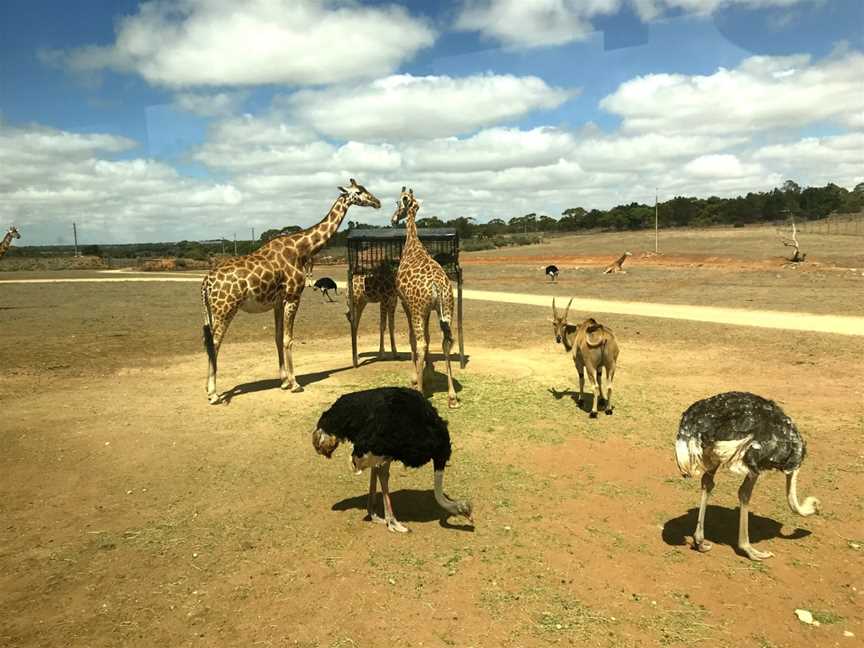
{"x":382,"y":323}
{"x":412,"y":339}
{"x":391,"y":317}
{"x":427,"y":363}
{"x":452,"y":400}
{"x":220,"y":327}
{"x":359,"y":305}
{"x":392,"y":523}
{"x":421,"y":352}
{"x":744,"y":494}
{"x":279,"y":333}
{"x":288,"y":381}
{"x":370,"y":504}
{"x":699,"y":542}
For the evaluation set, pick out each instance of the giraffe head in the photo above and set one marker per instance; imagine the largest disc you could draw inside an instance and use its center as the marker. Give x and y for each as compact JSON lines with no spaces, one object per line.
{"x":13,"y":231}
{"x":357,"y":194}
{"x":405,"y":204}
{"x":559,"y":323}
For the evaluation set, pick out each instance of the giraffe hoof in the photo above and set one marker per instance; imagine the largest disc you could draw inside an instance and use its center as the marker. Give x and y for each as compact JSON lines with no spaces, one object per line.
{"x":703,"y":547}
{"x":213,"y":399}
{"x":296,"y":389}
{"x":609,"y":412}
{"x":453,"y":403}
{"x":592,"y":415}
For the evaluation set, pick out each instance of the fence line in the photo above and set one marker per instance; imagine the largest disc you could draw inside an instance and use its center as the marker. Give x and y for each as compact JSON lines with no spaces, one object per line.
{"x":846,"y":225}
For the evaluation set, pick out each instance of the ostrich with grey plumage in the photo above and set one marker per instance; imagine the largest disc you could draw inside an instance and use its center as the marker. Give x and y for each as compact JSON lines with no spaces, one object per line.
{"x":747,"y":435}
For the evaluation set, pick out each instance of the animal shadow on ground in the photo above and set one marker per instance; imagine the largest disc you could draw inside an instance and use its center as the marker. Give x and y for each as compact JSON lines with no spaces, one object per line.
{"x":587,"y":398}
{"x":274,"y":383}
{"x":409,"y":505}
{"x":721,"y":528}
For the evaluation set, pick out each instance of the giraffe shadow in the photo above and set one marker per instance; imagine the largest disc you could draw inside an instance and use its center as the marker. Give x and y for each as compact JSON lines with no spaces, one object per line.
{"x":274,"y":383}
{"x":409,"y":505}
{"x":721,"y":528}
{"x":587,"y":398}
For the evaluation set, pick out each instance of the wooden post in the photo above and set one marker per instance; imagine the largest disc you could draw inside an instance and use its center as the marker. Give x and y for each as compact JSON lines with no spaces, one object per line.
{"x":351,"y":314}
{"x":459,"y":309}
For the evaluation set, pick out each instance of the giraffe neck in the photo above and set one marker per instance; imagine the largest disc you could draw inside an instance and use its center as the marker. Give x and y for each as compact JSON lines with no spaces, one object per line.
{"x":319,"y":234}
{"x":412,"y":241}
{"x":6,"y":243}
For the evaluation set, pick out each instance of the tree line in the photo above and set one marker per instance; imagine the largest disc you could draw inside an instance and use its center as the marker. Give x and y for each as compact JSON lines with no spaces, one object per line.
{"x":782,"y":203}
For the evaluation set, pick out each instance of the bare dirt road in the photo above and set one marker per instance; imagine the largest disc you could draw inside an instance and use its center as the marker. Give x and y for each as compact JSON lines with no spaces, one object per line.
{"x":788,"y":320}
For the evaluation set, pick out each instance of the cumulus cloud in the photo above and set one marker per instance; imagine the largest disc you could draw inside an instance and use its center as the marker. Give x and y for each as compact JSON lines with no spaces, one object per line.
{"x":224,"y":43}
{"x":762,"y":93}
{"x":838,"y":158}
{"x":538,"y":23}
{"x":411,"y":107}
{"x":219,"y":104}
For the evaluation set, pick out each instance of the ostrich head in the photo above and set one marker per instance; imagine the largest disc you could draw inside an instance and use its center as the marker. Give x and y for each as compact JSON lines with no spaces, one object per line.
{"x":357,"y":194}
{"x":405,"y":204}
{"x":559,"y":323}
{"x":324,"y":443}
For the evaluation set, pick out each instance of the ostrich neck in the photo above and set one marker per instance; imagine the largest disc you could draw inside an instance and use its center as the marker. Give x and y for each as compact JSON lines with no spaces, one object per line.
{"x":443,"y":501}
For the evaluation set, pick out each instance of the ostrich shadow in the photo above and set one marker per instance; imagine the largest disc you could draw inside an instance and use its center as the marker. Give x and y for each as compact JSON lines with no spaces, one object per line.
{"x":370,"y":357}
{"x":409,"y":505}
{"x":587,"y":399}
{"x":721,"y":528}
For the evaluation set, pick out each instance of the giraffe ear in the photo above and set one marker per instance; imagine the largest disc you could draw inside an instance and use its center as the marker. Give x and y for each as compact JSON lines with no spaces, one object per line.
{"x":353,"y":182}
{"x":403,"y":188}
{"x":342,"y":190}
{"x":411,"y":192}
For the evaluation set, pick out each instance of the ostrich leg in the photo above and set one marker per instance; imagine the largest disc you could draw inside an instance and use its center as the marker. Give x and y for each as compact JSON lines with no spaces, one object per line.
{"x":744,"y":494}
{"x":699,"y":542}
{"x":392,"y":523}
{"x":370,"y":504}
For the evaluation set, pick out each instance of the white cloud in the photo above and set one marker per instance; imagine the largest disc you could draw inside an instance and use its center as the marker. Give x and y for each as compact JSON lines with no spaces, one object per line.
{"x":538,"y":23}
{"x":225,"y":43}
{"x":220,"y":104}
{"x":720,"y":166}
{"x":762,"y":93}
{"x":409,"y":107}
{"x":838,"y":159}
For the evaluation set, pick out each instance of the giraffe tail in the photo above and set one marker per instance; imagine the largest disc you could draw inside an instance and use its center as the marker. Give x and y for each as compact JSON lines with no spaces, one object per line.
{"x":445,"y":311}
{"x":208,"y":327}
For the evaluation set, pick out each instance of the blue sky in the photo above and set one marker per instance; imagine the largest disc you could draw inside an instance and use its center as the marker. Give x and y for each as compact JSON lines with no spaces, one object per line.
{"x":196,"y":119}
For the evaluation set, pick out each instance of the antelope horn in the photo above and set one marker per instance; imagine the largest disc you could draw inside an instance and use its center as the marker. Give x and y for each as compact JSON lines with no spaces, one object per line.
{"x":568,"y":309}
{"x":554,"y":312}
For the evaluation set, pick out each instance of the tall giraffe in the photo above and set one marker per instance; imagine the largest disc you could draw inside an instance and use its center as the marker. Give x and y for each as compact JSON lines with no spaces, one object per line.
{"x":6,"y":243}
{"x":272,"y":277}
{"x":423,"y":286}
{"x":379,"y":286}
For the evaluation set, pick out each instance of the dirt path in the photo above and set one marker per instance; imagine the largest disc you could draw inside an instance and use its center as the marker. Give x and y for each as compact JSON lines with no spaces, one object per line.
{"x":794,"y":321}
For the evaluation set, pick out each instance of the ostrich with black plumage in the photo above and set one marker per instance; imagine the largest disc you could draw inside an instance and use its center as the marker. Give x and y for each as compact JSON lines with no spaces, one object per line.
{"x":552,"y":272}
{"x":389,"y":424}
{"x":747,"y":435}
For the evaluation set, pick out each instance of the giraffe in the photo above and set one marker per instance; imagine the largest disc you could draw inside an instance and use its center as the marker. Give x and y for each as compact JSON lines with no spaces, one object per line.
{"x":379,"y":287}
{"x":272,"y":277}
{"x":615,"y":266}
{"x":422,"y":286}
{"x":6,"y":243}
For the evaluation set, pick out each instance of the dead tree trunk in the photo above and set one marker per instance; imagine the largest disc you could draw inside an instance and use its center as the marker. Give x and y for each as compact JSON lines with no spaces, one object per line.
{"x":799,"y":256}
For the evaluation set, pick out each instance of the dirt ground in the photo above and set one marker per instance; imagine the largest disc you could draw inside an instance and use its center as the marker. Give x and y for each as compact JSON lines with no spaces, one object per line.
{"x":132,"y":513}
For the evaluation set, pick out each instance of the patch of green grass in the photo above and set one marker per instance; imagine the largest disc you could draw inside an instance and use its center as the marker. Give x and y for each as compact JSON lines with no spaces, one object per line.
{"x":683,"y":624}
{"x":827,"y":617}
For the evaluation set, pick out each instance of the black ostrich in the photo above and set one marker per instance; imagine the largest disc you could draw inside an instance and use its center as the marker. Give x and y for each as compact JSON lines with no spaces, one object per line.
{"x":746,"y":434}
{"x":552,"y":272}
{"x":324,"y":284}
{"x":389,"y":424}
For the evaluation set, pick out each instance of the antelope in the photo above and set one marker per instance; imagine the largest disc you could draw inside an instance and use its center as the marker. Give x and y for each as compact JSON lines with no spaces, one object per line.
{"x":593,"y":347}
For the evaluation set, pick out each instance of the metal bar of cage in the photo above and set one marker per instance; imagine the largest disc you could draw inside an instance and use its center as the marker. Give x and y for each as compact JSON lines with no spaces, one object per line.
{"x":367,"y":249}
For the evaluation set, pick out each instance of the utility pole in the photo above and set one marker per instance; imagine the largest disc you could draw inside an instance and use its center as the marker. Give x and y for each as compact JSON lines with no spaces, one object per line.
{"x":75,"y":237}
{"x":235,"y":244}
{"x":252,"y":243}
{"x":656,"y":228}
